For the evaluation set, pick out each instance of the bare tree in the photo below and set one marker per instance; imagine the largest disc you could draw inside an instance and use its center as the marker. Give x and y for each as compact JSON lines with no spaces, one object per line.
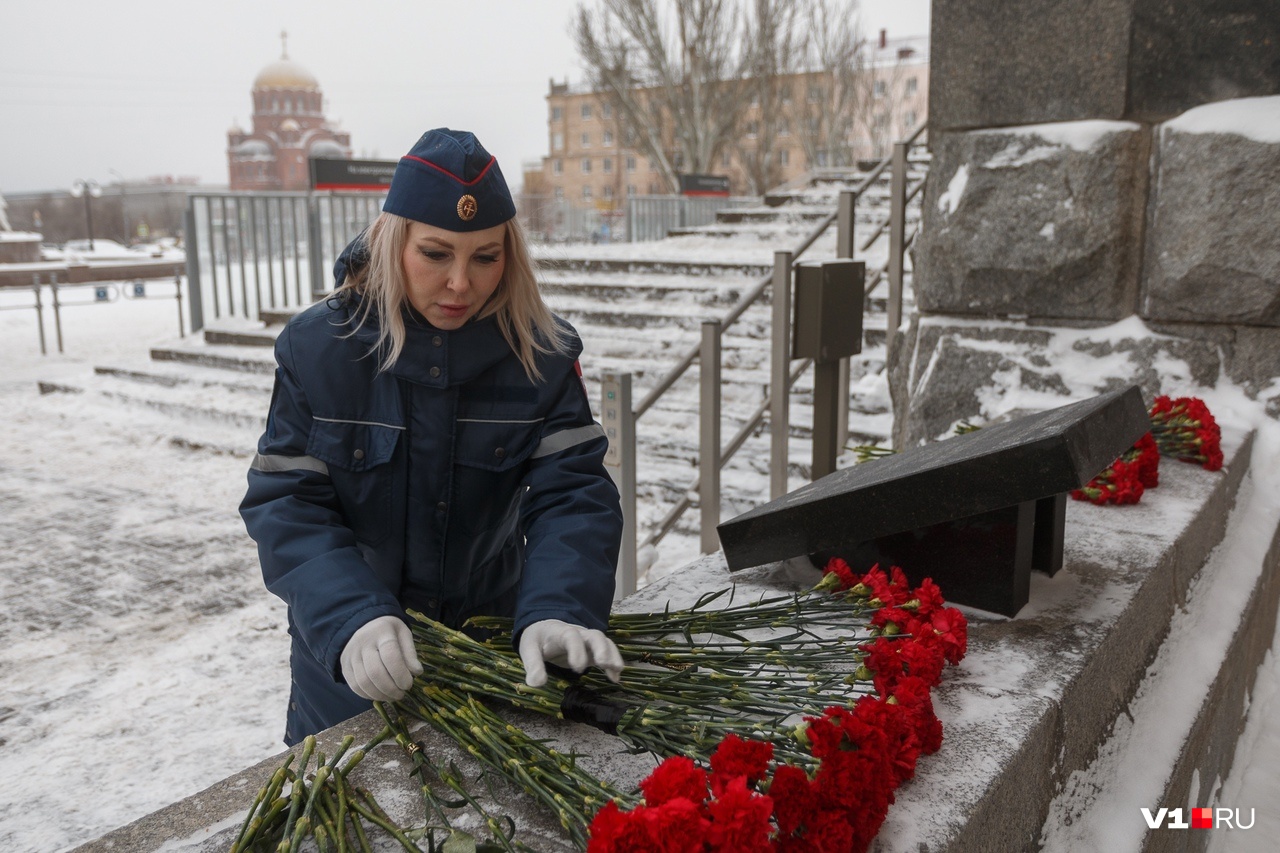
{"x":665,"y":66}
{"x":773,"y":54}
{"x":838,"y":94}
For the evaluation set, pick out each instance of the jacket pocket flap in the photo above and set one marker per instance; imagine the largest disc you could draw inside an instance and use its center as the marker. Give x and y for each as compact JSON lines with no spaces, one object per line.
{"x":352,"y":445}
{"x":495,"y":445}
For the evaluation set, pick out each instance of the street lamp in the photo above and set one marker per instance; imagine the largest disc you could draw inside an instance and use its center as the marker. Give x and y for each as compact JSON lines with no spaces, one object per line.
{"x":90,"y":190}
{"x":124,"y":215}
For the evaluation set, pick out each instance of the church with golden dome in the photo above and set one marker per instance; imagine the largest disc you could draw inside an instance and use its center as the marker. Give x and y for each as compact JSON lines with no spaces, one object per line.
{"x":288,"y":128}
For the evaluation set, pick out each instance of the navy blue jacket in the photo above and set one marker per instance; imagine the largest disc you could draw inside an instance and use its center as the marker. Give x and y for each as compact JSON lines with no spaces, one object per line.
{"x":450,"y":484}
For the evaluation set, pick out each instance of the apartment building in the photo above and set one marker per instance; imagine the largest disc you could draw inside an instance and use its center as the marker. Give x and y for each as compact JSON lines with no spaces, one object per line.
{"x":593,"y":162}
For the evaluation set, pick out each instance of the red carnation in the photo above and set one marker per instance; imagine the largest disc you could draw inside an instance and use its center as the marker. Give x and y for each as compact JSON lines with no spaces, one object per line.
{"x":953,"y":630}
{"x":929,"y":596}
{"x":740,"y":820}
{"x":675,"y":777}
{"x":923,"y":660}
{"x":616,"y":831}
{"x":844,"y":575}
{"x":679,"y":827}
{"x":738,"y":757}
{"x":792,"y":795}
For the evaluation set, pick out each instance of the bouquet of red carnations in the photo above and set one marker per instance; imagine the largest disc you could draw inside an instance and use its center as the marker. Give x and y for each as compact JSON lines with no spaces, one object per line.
{"x":1181,"y":428}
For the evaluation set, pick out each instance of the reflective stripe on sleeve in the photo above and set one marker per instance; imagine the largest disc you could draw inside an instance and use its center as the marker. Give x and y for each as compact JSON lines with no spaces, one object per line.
{"x":288,"y":463}
{"x":567,"y":438}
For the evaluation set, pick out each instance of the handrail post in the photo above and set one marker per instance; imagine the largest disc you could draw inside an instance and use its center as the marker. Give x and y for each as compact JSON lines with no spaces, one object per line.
{"x":709,"y":435}
{"x":619,"y":423}
{"x":177,"y":287}
{"x":844,"y":223}
{"x":897,"y":240}
{"x":57,"y":309}
{"x":39,"y":306}
{"x":779,"y":376}
{"x":845,"y":219}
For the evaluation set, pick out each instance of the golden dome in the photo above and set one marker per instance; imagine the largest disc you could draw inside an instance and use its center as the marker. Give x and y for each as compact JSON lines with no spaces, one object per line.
{"x":285,"y":74}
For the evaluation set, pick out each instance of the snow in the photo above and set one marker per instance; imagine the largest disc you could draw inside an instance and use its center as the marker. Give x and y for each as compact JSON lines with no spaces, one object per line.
{"x":1077,"y":135}
{"x":141,"y":658}
{"x":1253,"y":118}
{"x":19,"y":237}
{"x":949,"y":201}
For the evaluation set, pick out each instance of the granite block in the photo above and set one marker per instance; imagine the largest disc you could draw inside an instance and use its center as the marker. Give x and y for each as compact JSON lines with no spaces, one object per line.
{"x":1039,"y":221}
{"x":1212,"y":252}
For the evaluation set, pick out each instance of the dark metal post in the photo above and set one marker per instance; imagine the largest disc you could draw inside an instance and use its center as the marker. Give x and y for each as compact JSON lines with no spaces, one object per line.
{"x":709,"y":435}
{"x":257,"y":262}
{"x":193,"y":269}
{"x":897,"y":239}
{"x":780,"y":376}
{"x":845,"y":221}
{"x":618,"y":419}
{"x":315,"y":253}
{"x":88,"y":215}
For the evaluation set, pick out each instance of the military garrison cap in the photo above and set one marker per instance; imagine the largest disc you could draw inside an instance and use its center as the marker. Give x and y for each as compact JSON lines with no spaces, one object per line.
{"x":450,"y":181}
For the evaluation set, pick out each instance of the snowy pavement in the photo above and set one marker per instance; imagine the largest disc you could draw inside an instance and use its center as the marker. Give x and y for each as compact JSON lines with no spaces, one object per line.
{"x":141,"y":659}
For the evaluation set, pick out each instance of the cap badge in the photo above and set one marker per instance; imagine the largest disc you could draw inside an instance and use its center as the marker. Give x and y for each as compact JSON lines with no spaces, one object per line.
{"x":467,"y":208}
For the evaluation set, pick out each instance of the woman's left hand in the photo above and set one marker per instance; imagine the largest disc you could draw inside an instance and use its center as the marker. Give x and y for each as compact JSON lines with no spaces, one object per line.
{"x":566,"y":645}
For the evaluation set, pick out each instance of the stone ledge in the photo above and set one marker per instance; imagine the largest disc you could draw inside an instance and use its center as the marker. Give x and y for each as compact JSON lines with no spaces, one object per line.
{"x":1029,"y":705}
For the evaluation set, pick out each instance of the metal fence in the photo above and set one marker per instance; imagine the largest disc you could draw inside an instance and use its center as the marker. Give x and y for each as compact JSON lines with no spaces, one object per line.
{"x":249,"y":252}
{"x":653,"y":217}
{"x":638,"y":219}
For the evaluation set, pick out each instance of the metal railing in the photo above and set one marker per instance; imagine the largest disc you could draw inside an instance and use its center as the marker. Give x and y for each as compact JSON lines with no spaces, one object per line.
{"x":105,"y":289}
{"x":249,"y":252}
{"x":712,"y":458}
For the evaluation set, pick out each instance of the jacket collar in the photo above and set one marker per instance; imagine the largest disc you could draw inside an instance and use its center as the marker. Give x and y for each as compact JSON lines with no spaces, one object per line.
{"x":437,"y":358}
{"x":433,"y":357}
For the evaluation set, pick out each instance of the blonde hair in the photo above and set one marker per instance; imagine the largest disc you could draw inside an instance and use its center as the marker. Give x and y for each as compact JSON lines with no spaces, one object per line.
{"x":523,"y":317}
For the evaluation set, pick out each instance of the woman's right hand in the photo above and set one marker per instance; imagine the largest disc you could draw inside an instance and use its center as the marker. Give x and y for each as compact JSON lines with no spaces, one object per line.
{"x":379,"y":661}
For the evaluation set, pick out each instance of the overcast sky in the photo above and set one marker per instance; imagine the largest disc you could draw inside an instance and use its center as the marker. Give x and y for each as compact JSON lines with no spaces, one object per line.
{"x":96,"y":89}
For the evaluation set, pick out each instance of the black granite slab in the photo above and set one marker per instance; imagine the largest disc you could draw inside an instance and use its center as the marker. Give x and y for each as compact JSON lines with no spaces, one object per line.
{"x":1036,"y":457}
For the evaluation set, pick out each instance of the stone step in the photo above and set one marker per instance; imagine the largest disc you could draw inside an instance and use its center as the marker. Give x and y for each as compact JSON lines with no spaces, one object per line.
{"x":265,"y":337}
{"x":1176,"y":739}
{"x":206,"y":403}
{"x":1037,"y":697}
{"x":255,"y":359}
{"x":655,"y":265}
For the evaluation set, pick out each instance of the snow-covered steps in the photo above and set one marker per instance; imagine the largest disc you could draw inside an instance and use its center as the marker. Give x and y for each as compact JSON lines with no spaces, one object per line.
{"x":245,"y":359}
{"x":651,"y":261}
{"x":193,"y":399}
{"x":1175,"y":741}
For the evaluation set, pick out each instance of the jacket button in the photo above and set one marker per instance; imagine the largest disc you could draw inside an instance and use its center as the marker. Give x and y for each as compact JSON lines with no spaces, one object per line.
{"x":499,"y":452}
{"x":433,"y":603}
{"x":435,"y":372}
{"x":442,"y":506}
{"x":437,"y":341}
{"x":359,"y":454}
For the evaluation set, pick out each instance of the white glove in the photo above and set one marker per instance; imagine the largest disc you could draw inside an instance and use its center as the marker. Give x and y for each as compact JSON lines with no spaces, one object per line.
{"x":379,"y":661}
{"x":566,"y":645}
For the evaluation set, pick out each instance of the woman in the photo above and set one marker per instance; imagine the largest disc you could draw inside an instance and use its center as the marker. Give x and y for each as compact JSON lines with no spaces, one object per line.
{"x":430,"y":446}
